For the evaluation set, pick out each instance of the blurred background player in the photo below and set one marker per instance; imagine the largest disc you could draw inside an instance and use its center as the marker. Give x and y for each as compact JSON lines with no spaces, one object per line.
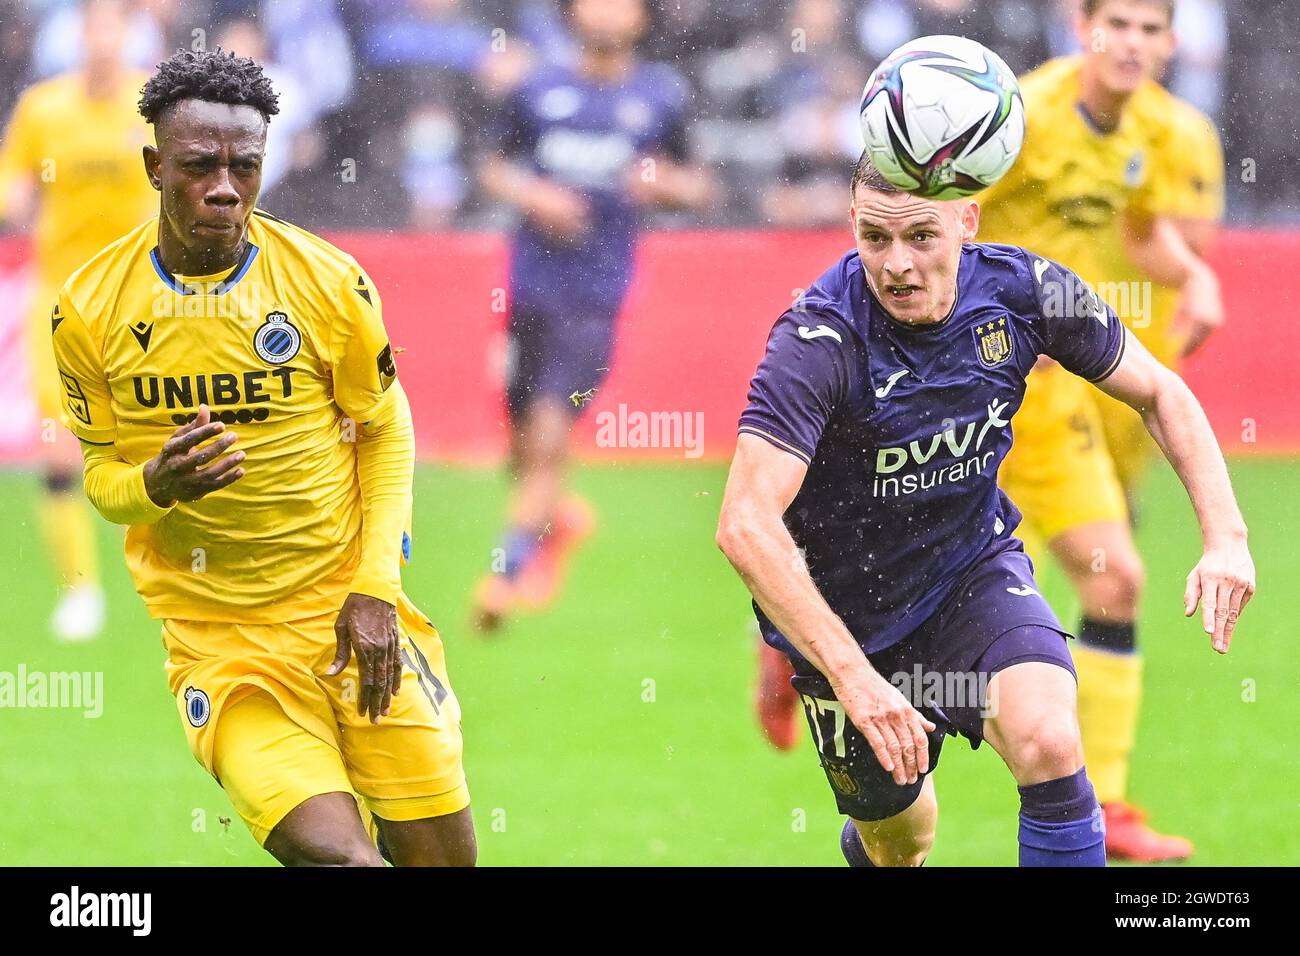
{"x":1191,"y":197}
{"x":583,"y":148}
{"x":70,"y":174}
{"x":1096,"y":189}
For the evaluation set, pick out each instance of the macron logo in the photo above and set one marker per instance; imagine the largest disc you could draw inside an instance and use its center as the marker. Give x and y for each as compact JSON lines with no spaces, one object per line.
{"x":1040,"y":266}
{"x":1023,"y":591}
{"x":807,"y":333}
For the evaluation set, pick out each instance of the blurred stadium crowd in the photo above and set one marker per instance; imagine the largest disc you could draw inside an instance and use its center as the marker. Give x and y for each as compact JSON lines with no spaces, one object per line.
{"x":403,"y":92}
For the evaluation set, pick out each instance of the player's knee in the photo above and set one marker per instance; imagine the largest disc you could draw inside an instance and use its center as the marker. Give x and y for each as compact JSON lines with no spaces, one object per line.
{"x":905,"y":839}
{"x":1049,"y":749}
{"x":1128,"y":578}
{"x":1113,"y":589}
{"x":897,"y":847}
{"x":543,"y":449}
{"x":341,"y":852}
{"x":463,"y":854}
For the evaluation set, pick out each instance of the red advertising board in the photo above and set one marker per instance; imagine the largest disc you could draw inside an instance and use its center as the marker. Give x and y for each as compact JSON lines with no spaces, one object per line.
{"x":694,"y":326}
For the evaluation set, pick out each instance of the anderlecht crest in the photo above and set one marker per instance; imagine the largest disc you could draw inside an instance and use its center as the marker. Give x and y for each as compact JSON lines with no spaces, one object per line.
{"x":841,"y":779}
{"x":993,"y":342}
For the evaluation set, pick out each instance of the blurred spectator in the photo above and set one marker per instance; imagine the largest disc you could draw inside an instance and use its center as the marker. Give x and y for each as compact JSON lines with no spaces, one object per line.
{"x":423,"y":33}
{"x":58,"y":44}
{"x":1013,"y":28}
{"x":243,"y":38}
{"x":433,"y":173}
{"x":1197,"y":76}
{"x":384,"y":100}
{"x":815,"y":95}
{"x":1059,"y":28}
{"x":15,"y":45}
{"x":308,"y":38}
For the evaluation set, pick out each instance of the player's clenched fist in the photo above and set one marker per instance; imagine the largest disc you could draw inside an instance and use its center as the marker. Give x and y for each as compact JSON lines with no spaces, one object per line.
{"x":184,"y":471}
{"x":369,"y":626}
{"x":894,"y":728}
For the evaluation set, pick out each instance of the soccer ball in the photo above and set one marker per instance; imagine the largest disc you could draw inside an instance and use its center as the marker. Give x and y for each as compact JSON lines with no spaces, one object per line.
{"x":942,"y":117}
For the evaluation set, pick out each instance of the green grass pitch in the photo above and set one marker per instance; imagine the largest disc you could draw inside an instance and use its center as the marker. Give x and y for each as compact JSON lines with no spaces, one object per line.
{"x":617,"y":729}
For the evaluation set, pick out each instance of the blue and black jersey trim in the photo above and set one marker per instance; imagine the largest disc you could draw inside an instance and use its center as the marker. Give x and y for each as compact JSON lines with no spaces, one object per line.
{"x":225,"y":285}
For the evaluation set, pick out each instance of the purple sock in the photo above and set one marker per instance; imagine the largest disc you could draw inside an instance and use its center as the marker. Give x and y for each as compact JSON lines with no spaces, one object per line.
{"x":519,"y":545}
{"x":851,"y":846}
{"x":1061,"y":823}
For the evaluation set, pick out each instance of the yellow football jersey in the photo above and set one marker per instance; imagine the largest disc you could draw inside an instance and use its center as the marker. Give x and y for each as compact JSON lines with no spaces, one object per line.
{"x":1190,"y":167}
{"x":288,"y":349}
{"x":1068,"y":193}
{"x":84,"y":154}
{"x":1190,"y":160}
{"x":1192,"y":173}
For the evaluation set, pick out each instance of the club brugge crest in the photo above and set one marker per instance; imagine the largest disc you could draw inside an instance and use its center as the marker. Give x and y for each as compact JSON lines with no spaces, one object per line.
{"x":993,"y":342}
{"x":197,"y":707}
{"x":277,"y":340}
{"x":841,"y":779}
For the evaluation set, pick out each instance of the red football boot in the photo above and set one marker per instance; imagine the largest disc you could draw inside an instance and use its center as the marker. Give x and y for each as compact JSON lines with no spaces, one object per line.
{"x":776,"y":702}
{"x":1129,"y":838}
{"x":540,"y":581}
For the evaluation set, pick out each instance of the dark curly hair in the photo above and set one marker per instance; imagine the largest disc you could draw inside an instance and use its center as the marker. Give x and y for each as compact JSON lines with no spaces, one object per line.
{"x":213,"y":76}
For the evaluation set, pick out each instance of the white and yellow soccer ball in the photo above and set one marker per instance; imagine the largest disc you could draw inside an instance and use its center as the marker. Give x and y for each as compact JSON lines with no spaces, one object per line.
{"x":942,"y":117}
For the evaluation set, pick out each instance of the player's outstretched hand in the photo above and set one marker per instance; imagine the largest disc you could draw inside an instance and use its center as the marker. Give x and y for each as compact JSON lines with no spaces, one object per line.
{"x":894,"y":728}
{"x":1200,"y":309}
{"x":183,"y":471}
{"x":1223,"y":582}
{"x":369,"y":626}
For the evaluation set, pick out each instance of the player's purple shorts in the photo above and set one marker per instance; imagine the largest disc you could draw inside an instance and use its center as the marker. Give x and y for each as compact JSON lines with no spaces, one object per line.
{"x":993,"y":619}
{"x":555,"y":355}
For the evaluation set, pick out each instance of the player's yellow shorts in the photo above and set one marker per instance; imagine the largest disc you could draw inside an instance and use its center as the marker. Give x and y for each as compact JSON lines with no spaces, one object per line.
{"x":1131,"y":446}
{"x":1059,"y":472}
{"x":263,"y":719}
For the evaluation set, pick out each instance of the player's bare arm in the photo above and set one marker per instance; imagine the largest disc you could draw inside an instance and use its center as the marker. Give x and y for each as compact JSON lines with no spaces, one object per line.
{"x":558,"y":210}
{"x":752,"y":534}
{"x":1158,"y":247}
{"x":1223,"y":581}
{"x":368,"y":626}
{"x":668,"y":184}
{"x":186,"y":469}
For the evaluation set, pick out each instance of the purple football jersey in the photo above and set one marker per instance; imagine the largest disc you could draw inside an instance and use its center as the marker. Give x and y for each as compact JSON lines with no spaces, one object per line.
{"x":589,"y":137}
{"x":903,"y":427}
